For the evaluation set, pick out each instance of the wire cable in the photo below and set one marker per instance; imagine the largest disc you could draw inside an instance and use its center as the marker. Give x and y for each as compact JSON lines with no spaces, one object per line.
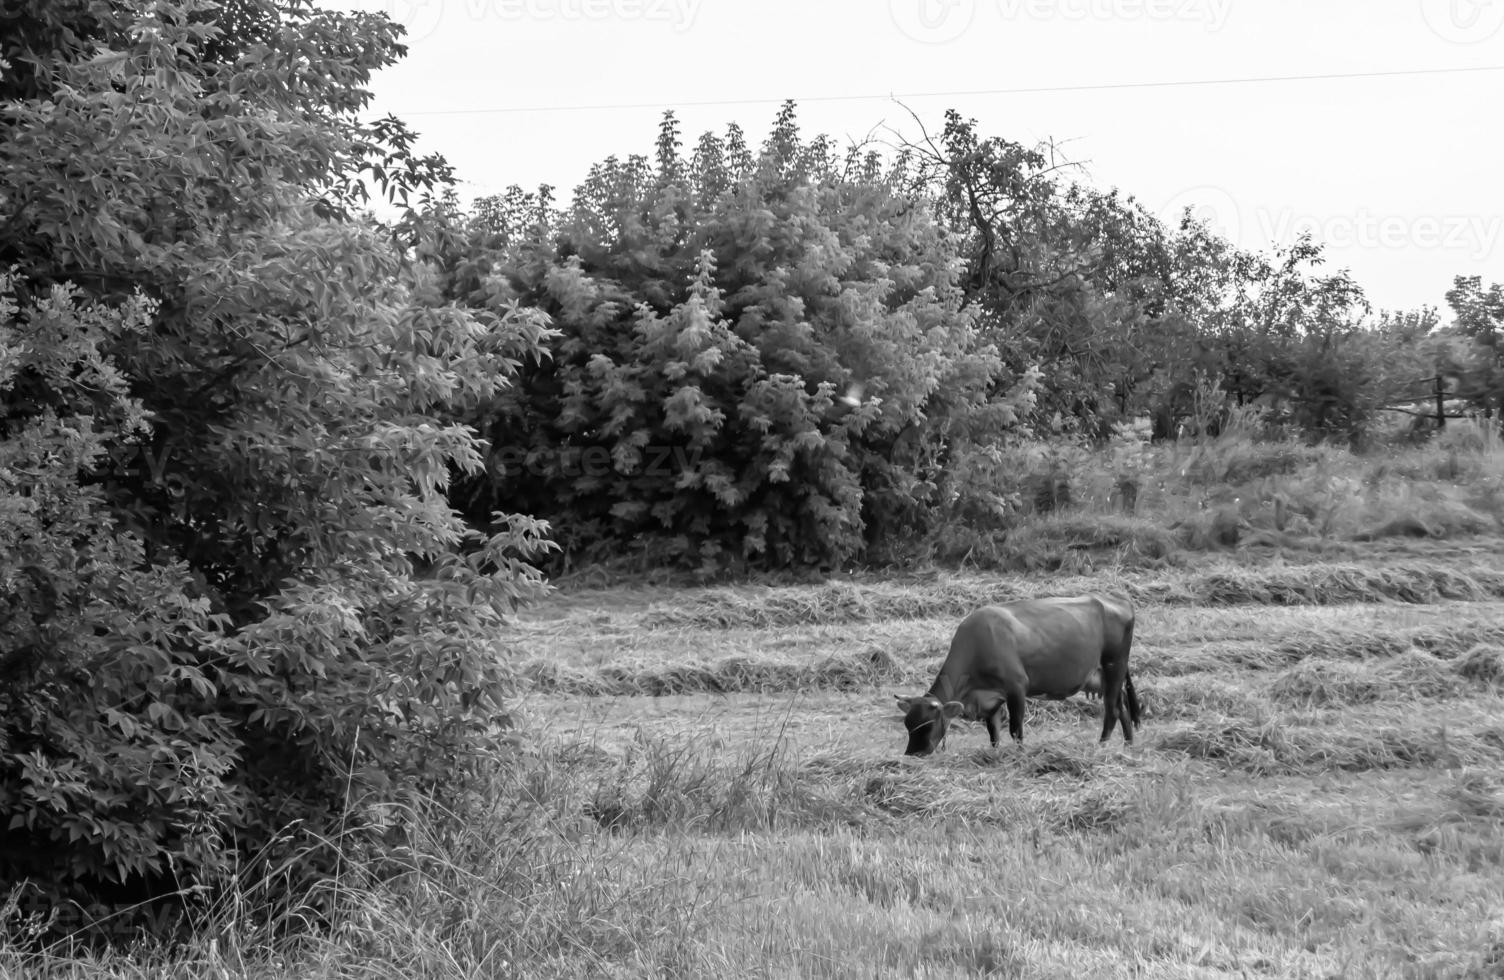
{"x":1024,"y":90}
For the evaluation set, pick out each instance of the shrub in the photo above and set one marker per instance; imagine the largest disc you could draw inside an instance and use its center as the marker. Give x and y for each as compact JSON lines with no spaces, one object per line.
{"x":762,"y":360}
{"x":221,"y":445}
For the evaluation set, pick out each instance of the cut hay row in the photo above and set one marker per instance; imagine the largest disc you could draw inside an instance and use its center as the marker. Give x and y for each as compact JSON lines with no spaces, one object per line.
{"x":1307,"y":656}
{"x":1418,"y":583}
{"x":1447,"y":642}
{"x":731,"y":675}
{"x":1304,"y":646}
{"x":1413,"y":582}
{"x":1270,"y":748}
{"x":661,"y":785}
{"x":1069,"y":787}
{"x":1405,"y":676}
{"x":1191,"y":698}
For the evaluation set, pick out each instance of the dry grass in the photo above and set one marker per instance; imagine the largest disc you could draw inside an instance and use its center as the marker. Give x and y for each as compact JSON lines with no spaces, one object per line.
{"x":1403,"y":677}
{"x":736,"y":674}
{"x":1140,"y":505}
{"x":1415,"y":582}
{"x":1484,"y":664}
{"x":1077,"y":543}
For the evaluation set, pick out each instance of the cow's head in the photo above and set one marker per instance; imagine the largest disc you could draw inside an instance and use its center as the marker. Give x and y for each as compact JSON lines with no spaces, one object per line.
{"x":926,"y":718}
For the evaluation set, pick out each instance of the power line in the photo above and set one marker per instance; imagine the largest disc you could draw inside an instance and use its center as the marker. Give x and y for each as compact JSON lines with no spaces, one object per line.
{"x":1029,"y":90}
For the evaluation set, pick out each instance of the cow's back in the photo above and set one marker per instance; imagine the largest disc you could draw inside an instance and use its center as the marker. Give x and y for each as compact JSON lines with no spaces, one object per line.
{"x":1049,"y":645}
{"x":1041,"y":625}
{"x":983,"y":655}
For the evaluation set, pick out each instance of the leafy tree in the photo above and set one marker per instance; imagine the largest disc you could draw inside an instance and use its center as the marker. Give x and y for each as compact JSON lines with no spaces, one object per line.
{"x":1479,"y":316}
{"x":1085,"y":284}
{"x":221,"y":447}
{"x":1125,"y":316}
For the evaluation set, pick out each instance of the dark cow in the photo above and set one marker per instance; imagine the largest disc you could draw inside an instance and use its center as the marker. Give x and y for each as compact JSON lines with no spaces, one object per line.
{"x":1050,"y":648}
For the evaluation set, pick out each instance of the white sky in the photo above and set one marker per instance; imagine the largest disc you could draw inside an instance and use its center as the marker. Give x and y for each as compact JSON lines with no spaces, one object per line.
{"x":1402,"y":177}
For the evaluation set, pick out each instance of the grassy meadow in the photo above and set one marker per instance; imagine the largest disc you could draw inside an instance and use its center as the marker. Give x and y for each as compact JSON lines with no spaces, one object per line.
{"x":709,"y":781}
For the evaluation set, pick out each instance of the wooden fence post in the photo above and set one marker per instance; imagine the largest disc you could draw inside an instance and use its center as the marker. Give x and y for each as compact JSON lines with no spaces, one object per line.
{"x":1441,"y":408}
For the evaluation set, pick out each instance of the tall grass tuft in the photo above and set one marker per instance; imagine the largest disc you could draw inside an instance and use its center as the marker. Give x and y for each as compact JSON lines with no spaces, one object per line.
{"x":1484,"y":664}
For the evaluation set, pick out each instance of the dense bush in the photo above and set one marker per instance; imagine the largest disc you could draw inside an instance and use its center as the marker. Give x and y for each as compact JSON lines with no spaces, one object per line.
{"x":762,"y":359}
{"x":219,"y":450}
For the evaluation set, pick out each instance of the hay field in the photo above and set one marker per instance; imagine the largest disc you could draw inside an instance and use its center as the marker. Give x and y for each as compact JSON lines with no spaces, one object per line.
{"x":1317,"y":790}
{"x":709,"y":783}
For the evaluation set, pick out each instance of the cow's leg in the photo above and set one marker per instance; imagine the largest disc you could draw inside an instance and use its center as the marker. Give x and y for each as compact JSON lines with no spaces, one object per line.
{"x":1112,"y":699}
{"x":994,"y":721}
{"x":1125,"y":718}
{"x":1016,"y":702}
{"x":1122,"y":688}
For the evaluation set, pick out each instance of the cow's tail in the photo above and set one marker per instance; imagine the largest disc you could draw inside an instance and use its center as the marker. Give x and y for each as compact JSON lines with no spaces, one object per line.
{"x":1134,"y":711}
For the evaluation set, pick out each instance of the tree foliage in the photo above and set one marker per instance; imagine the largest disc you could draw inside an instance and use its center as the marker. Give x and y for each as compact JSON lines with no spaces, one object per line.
{"x":1123,"y":315}
{"x":1478,"y":366}
{"x":764,"y":358}
{"x":222,"y":443}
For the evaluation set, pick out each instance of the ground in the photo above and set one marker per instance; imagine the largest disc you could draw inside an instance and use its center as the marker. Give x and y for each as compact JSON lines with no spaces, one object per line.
{"x":1315,"y":790}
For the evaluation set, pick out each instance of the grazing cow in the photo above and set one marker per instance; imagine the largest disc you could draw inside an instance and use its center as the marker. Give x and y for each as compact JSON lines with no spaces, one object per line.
{"x":1049,"y":648}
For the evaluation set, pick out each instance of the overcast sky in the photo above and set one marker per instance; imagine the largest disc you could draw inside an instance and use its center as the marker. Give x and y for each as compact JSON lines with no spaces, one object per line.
{"x":1401,"y":176}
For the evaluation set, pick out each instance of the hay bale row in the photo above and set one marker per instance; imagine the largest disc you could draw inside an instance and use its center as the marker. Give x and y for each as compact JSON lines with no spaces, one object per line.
{"x":1264,"y":748}
{"x":1319,"y":668}
{"x":1416,"y":582}
{"x":731,"y":675}
{"x":1189,"y":699}
{"x":1406,"y":676}
{"x":836,"y":602}
{"x":1445,"y":642}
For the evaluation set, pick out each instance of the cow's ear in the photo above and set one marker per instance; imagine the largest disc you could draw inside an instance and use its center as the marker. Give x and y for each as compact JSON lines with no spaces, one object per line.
{"x":903,"y":702}
{"x":953,"y":709}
